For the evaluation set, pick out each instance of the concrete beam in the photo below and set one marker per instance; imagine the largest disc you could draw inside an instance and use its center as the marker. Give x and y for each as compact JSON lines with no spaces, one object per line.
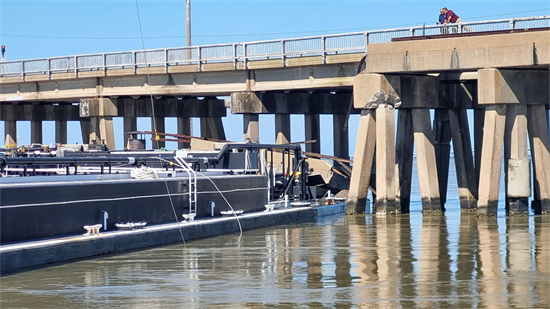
{"x":412,"y":91}
{"x":172,"y":107}
{"x":213,"y":79}
{"x":525,"y":49}
{"x":499,"y":86}
{"x":290,"y":103}
{"x":42,"y":112}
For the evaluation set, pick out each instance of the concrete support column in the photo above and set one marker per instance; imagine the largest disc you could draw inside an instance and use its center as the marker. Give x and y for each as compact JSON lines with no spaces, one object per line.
{"x":442,"y":133}
{"x":340,"y":136}
{"x":184,"y":128}
{"x":540,"y":153}
{"x":425,"y":154}
{"x":385,"y":161}
{"x":282,"y":128}
{"x":464,"y":162}
{"x":479,"y":122}
{"x":404,"y":158}
{"x":313,"y":128}
{"x":251,"y":127}
{"x":85,"y":129}
{"x":10,"y":129}
{"x":95,"y":134}
{"x":491,"y":158}
{"x":216,"y":128}
{"x":516,"y":162}
{"x":205,"y":128}
{"x":130,"y":125}
{"x":158,"y":123}
{"x":36,"y":131}
{"x":61,"y":131}
{"x":362,"y":163}
{"x":107,"y":132}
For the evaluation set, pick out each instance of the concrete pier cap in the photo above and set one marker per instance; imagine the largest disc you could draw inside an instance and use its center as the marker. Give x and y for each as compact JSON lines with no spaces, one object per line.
{"x":401,"y":91}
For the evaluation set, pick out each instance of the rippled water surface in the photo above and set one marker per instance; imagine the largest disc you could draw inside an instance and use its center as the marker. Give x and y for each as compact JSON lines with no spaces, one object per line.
{"x":408,"y":261}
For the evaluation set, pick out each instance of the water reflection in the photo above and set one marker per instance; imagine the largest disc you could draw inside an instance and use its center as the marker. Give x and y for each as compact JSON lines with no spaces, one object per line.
{"x":405,"y":261}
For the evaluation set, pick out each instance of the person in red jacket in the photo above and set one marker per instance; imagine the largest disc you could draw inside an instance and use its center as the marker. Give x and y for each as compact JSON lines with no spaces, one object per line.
{"x":452,"y":18}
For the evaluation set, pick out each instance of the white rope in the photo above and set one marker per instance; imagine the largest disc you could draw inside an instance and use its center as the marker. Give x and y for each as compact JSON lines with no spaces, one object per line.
{"x":127,"y":198}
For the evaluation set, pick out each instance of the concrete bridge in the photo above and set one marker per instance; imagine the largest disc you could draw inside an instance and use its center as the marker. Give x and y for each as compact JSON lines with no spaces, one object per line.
{"x":500,"y":68}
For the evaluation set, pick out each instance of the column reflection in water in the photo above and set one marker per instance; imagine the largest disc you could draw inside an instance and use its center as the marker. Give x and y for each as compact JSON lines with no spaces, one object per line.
{"x":465,"y":275}
{"x":542,"y":261}
{"x":520,"y":261}
{"x":492,"y":287}
{"x":381,"y":259}
{"x":434,"y":275}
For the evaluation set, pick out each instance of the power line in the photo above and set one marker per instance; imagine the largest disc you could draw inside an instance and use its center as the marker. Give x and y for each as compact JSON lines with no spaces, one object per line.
{"x":249,"y":34}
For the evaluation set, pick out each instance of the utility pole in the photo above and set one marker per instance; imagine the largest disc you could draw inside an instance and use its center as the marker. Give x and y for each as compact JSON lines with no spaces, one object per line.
{"x":188,"y":44}
{"x":188,"y":24}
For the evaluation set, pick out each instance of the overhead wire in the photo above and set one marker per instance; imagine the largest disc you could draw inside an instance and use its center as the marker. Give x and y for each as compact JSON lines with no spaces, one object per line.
{"x":249,"y":34}
{"x":153,"y":121}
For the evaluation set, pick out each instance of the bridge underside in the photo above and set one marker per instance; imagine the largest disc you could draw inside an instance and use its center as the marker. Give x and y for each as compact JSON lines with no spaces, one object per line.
{"x":503,"y":78}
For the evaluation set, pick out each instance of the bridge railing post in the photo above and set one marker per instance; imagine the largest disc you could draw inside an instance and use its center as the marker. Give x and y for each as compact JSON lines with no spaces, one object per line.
{"x":23,"y":70}
{"x":199,"y":58}
{"x":324,"y":42}
{"x":283,"y":55}
{"x":235,"y":60}
{"x":367,"y":34}
{"x":75,"y":66}
{"x":512,"y":24}
{"x":104,"y":59}
{"x":166,"y":60}
{"x":49,"y":68}
{"x":134,"y":60}
{"x":245,"y":56}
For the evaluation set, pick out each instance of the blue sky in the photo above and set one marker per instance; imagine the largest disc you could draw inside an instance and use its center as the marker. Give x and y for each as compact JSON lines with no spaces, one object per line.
{"x":37,"y":29}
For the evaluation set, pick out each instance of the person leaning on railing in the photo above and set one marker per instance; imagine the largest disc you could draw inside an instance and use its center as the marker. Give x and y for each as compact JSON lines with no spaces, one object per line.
{"x":452,"y":18}
{"x":442,"y":19}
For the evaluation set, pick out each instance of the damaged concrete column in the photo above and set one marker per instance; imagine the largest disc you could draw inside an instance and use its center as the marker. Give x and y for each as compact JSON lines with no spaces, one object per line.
{"x":101,"y":112}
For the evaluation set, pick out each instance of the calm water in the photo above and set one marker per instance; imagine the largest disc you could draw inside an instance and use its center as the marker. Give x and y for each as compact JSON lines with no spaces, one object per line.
{"x":406,"y":261}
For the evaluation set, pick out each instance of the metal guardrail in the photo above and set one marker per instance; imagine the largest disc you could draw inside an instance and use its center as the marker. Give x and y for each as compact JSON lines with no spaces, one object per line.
{"x":242,"y":53}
